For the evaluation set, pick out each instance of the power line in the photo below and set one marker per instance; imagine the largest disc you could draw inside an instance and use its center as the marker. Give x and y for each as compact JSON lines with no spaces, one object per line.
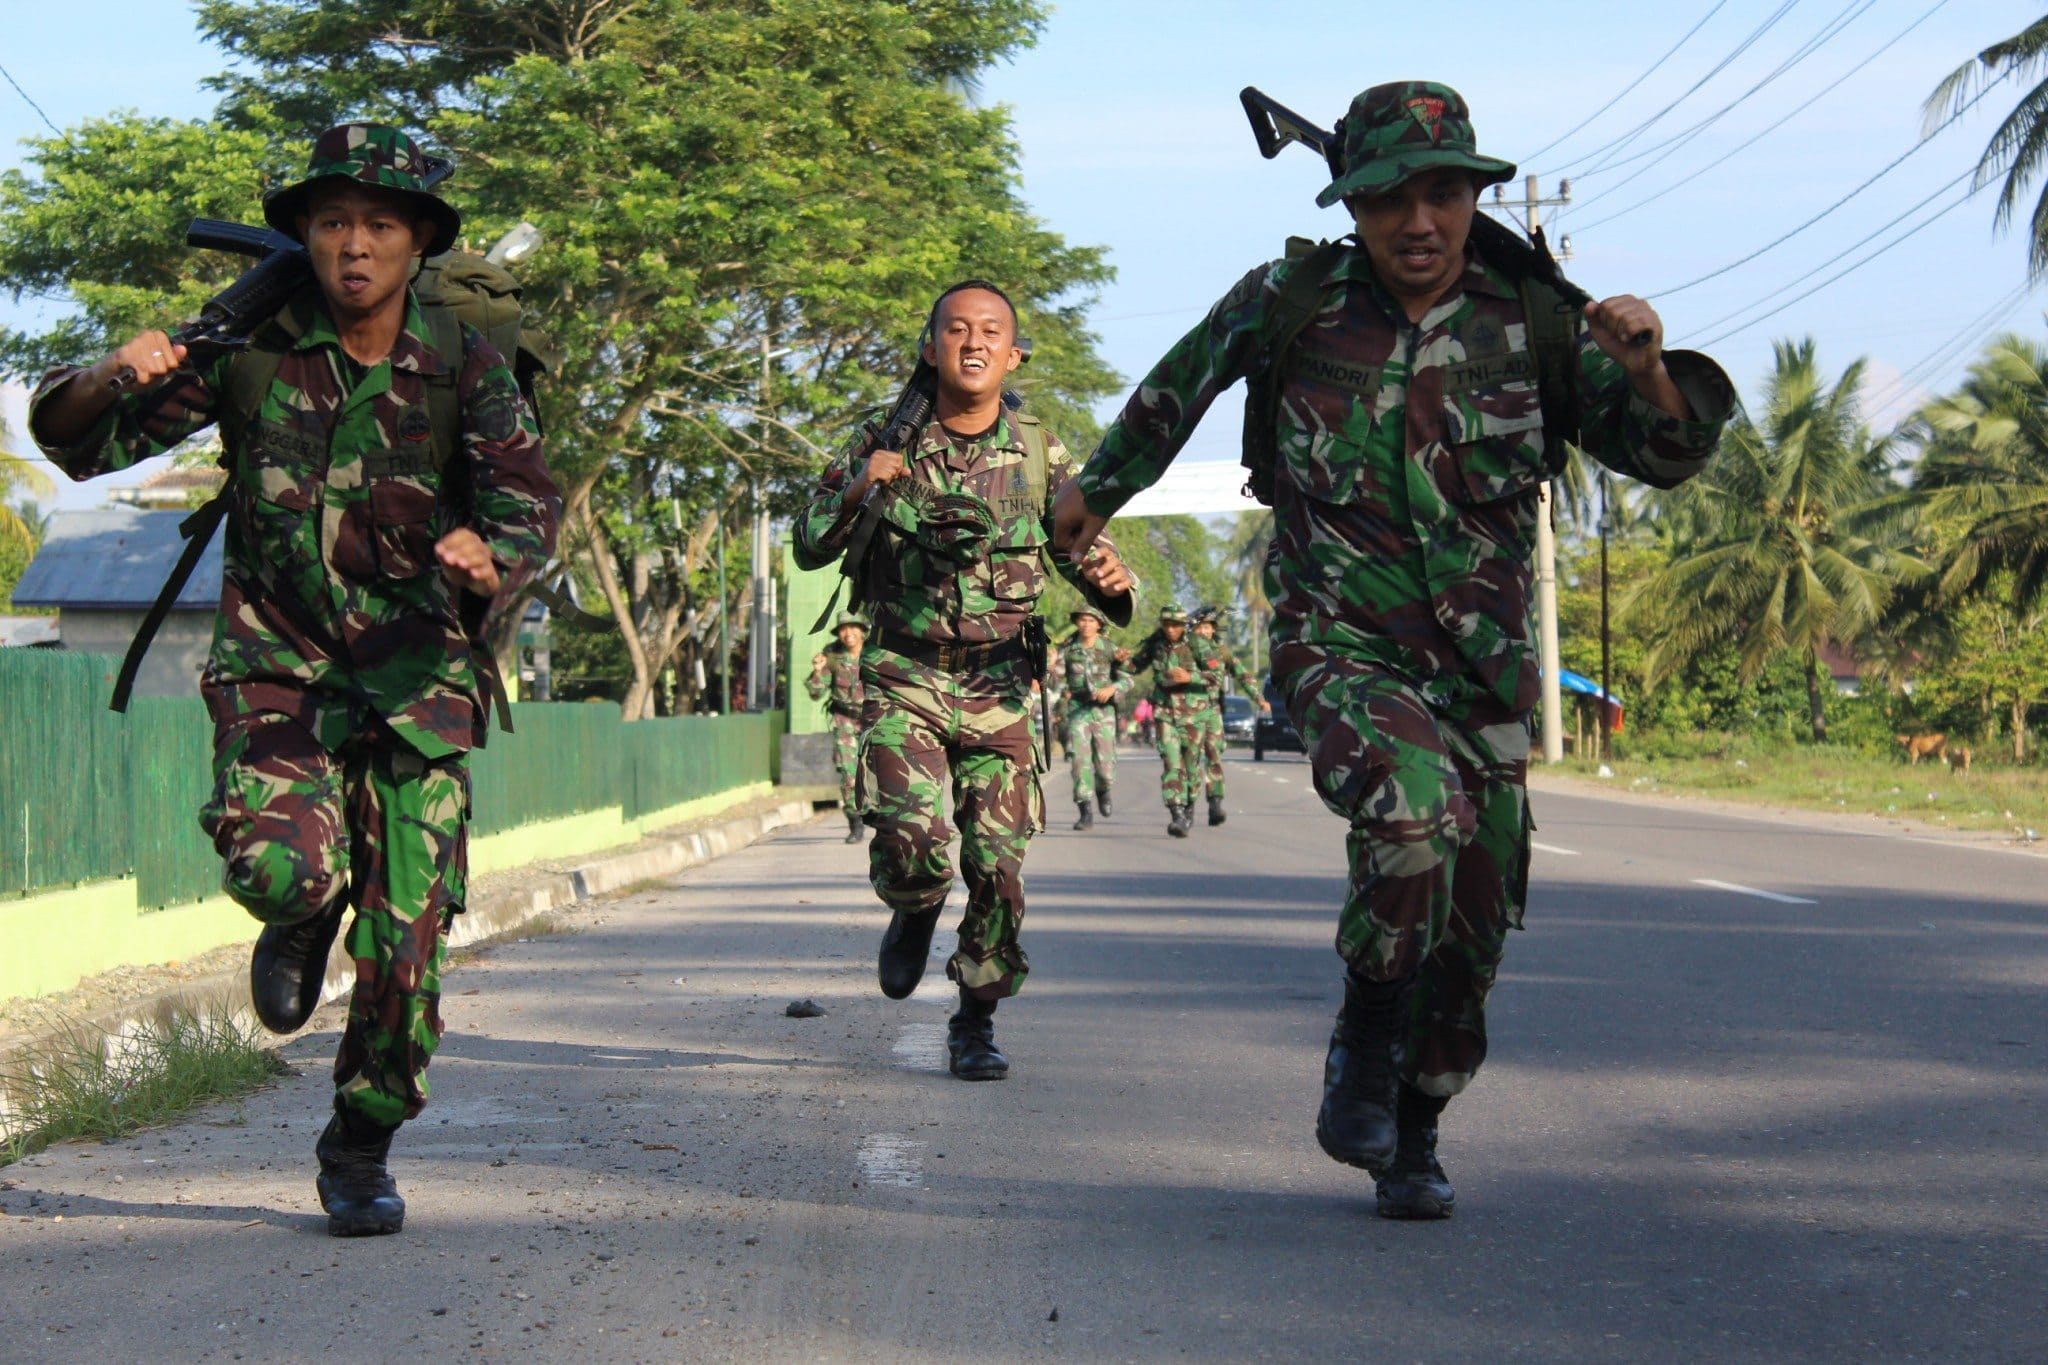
{"x":1828,"y":32}
{"x":1828,"y":89}
{"x":1625,"y":139}
{"x":1779,"y":241}
{"x":1915,"y":230}
{"x":1946,"y":350}
{"x":31,"y":103}
{"x":1575,"y":128}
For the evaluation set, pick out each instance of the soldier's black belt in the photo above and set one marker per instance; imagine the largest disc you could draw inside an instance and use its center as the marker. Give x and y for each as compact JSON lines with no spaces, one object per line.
{"x":850,"y":712}
{"x":956,"y":658}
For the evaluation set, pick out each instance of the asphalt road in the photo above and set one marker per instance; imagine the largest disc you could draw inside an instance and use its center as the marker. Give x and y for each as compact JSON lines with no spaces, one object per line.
{"x":1759,"y":1091}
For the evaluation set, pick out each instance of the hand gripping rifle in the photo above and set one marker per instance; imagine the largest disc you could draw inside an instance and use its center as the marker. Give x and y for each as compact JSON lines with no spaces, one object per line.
{"x":1274,"y":125}
{"x":282,"y":269}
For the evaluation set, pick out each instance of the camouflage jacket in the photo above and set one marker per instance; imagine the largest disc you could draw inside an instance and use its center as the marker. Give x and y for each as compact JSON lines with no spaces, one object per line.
{"x":1159,"y":656}
{"x":909,"y":590}
{"x":1227,"y":669}
{"x":1086,"y":668}
{"x":836,"y":682}
{"x":1410,"y":453}
{"x":331,"y":599}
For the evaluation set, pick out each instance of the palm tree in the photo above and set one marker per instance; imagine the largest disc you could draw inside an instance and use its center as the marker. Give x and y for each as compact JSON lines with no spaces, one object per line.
{"x":2018,"y":148}
{"x":21,"y":525}
{"x":1774,"y":554}
{"x":1983,"y":476}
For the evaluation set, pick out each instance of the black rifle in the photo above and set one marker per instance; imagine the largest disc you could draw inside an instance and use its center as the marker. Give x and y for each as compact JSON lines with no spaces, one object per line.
{"x":282,"y":269}
{"x":1274,"y":125}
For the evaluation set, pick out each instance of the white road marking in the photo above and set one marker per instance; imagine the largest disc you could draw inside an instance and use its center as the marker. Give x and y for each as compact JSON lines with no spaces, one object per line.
{"x":1553,"y":848}
{"x":891,"y":1159}
{"x":921,"y":1047}
{"x":1282,"y":780}
{"x":1752,"y":891}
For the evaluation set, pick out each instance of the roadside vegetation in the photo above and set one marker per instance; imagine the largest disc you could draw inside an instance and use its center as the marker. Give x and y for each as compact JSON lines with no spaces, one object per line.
{"x":82,"y":1082}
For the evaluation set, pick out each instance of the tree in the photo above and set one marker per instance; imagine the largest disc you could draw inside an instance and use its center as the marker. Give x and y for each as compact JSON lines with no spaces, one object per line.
{"x":2018,"y":146}
{"x":746,"y":206}
{"x":1786,"y":550}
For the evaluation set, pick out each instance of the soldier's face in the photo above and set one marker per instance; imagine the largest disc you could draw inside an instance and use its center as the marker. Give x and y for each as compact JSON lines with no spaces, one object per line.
{"x":1173,"y":630}
{"x":1415,"y":232}
{"x":1087,"y":627}
{"x":362,"y":243}
{"x":850,"y":637}
{"x":974,"y":344}
{"x":1207,"y":630}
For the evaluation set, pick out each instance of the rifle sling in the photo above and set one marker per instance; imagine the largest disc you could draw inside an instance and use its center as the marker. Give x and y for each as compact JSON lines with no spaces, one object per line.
{"x":198,"y":530}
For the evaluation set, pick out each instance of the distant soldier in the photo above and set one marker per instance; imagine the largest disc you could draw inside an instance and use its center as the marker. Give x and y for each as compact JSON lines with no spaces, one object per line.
{"x":366,"y":549}
{"x":1220,"y":668}
{"x":1097,"y":675}
{"x":1411,"y":405}
{"x":956,"y":563}
{"x":835,"y":680}
{"x":1179,"y":696}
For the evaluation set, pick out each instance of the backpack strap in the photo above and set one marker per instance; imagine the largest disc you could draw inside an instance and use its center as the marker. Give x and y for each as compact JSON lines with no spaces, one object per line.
{"x":1553,"y":333}
{"x":1301,"y":295}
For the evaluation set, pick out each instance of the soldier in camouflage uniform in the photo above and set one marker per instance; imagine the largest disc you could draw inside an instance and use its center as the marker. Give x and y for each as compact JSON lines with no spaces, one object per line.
{"x":1411,"y":445}
{"x":1179,"y":698}
{"x":954,"y":568}
{"x":835,"y":680}
{"x":1220,"y":668}
{"x":348,"y":676}
{"x":1097,"y":675}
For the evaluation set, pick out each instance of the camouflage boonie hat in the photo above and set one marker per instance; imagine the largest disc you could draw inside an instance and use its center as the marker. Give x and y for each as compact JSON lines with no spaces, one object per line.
{"x":368,"y":154}
{"x":1085,"y":609}
{"x":851,"y":618}
{"x":1172,"y":616}
{"x":1399,"y":129}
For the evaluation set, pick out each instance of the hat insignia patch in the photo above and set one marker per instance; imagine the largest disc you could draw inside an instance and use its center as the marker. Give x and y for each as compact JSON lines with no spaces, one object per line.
{"x":1428,"y":111}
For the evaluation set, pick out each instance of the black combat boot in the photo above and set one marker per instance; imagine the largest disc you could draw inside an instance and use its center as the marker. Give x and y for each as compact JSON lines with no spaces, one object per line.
{"x":1087,"y":820}
{"x":971,"y":1041}
{"x":1179,"y":819}
{"x":1102,"y":801}
{"x":853,"y":827}
{"x":358,"y":1193}
{"x":905,"y":945}
{"x":287,"y":966}
{"x":1356,"y":1123}
{"x":1216,"y":816}
{"x":1415,"y":1185}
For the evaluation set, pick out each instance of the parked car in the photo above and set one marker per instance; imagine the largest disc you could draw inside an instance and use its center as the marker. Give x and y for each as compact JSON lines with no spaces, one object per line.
{"x":1273,"y":731}
{"x":1239,"y":719}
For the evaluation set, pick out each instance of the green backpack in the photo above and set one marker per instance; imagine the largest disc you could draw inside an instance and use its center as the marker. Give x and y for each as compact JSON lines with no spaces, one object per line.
{"x":454,"y":288}
{"x":1553,"y":345}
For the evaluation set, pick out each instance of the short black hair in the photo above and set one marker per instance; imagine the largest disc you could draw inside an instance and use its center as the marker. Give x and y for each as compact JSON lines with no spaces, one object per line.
{"x":931,"y":322}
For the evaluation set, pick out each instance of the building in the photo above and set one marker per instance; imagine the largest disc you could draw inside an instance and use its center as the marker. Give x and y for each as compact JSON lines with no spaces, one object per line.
{"x":101,"y":571}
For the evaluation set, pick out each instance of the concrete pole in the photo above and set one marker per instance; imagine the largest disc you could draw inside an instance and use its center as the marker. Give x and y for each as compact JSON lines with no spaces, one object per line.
{"x":1546,"y":574}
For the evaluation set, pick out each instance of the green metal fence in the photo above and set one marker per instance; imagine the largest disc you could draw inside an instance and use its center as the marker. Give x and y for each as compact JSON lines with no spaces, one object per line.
{"x":87,"y":795}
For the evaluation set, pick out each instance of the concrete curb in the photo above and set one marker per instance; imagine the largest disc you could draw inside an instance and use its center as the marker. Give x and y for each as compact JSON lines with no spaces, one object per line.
{"x":487,"y":916}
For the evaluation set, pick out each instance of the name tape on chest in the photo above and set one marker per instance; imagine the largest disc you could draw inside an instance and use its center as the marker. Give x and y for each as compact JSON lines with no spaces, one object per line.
{"x":1480,"y":372}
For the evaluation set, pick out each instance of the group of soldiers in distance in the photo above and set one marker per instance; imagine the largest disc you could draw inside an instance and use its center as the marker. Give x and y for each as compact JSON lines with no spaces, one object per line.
{"x":1088,"y":679}
{"x":389,"y":498}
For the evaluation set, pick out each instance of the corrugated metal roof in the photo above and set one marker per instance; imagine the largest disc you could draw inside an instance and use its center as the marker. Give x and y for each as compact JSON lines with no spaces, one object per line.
{"x":115,"y":558}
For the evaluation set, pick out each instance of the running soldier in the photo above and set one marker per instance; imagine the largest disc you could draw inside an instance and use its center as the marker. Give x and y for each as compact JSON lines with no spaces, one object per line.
{"x":1407,"y":436}
{"x":957,"y":547}
{"x":835,"y":680}
{"x":1179,"y":696}
{"x":1097,"y":676}
{"x":1220,"y":668}
{"x":348,"y":674}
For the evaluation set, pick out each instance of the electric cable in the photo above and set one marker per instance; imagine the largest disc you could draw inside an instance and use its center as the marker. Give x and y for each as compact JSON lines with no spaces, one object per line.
{"x":31,"y":103}
{"x":1575,"y":128}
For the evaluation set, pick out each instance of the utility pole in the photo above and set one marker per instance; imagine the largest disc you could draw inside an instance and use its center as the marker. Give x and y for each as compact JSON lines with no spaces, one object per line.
{"x":761,"y":624}
{"x":1532,"y":204}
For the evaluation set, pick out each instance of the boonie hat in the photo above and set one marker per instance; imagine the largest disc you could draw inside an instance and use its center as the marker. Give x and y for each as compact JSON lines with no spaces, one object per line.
{"x":850,"y":618}
{"x":367,"y":154}
{"x":1397,"y":130}
{"x":1172,"y":616}
{"x":1087,"y":610}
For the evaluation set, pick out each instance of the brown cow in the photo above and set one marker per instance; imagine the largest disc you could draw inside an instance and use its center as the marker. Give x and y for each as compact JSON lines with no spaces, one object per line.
{"x":1918,"y":747}
{"x":1959,"y":758}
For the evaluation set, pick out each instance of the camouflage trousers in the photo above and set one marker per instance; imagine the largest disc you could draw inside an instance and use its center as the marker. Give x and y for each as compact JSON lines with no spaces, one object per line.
{"x":1209,"y":730}
{"x":1439,"y":842}
{"x":925,"y":733}
{"x":1091,"y":750}
{"x":846,"y":760}
{"x":1178,"y":737}
{"x":371,"y":826}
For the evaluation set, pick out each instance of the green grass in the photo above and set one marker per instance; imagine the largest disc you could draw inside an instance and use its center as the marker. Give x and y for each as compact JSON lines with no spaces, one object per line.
{"x":1988,"y":797}
{"x":84,"y":1084}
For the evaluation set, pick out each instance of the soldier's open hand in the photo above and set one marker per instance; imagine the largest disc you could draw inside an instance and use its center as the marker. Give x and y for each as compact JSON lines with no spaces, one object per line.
{"x":466,"y":562}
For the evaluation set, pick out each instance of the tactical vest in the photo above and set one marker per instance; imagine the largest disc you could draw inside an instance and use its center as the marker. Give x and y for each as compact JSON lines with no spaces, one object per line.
{"x":1551,"y":320}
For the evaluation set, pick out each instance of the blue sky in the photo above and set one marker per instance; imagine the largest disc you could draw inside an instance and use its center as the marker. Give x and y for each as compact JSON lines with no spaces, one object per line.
{"x":1132,"y":137}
